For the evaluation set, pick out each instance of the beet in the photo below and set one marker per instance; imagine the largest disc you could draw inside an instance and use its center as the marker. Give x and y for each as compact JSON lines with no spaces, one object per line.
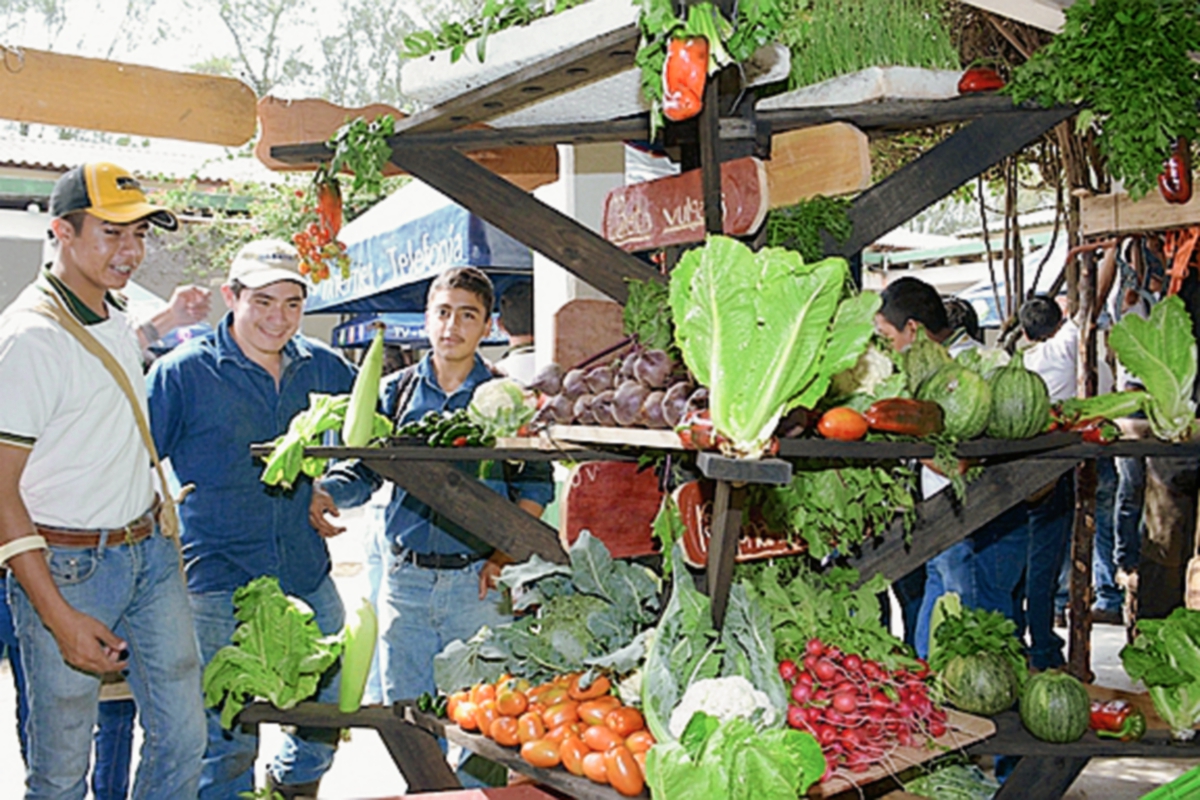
{"x":583,"y":410}
{"x":697,"y":401}
{"x":574,"y":385}
{"x":653,"y":368}
{"x":561,"y":408}
{"x":548,"y":380}
{"x":599,"y":378}
{"x":627,"y":402}
{"x":629,"y":365}
{"x":652,"y":410}
{"x":674,"y":403}
{"x":602,"y":408}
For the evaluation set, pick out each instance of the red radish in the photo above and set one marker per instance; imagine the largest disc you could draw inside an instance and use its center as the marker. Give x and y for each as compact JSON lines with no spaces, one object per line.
{"x":788,"y":670}
{"x":796,"y":717}
{"x":845,"y":702}
{"x":825,"y":671}
{"x":801,"y":693}
{"x":814,"y":647}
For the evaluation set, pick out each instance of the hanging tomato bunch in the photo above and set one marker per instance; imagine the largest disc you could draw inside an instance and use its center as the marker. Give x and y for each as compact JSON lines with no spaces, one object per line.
{"x":318,"y":244}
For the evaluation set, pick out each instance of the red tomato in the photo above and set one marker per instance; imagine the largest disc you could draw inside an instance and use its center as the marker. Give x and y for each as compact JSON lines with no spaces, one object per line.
{"x":561,"y":733}
{"x":465,"y":715}
{"x":622,"y":771}
{"x":511,"y":703}
{"x":485,"y":715}
{"x":593,"y":711}
{"x":625,"y":720}
{"x":504,"y":731}
{"x":597,"y":687}
{"x":530,"y":727}
{"x":562,"y":714}
{"x":639,"y":741}
{"x":572,"y":750}
{"x":541,"y":753}
{"x":594,"y":767}
{"x":481,"y":692}
{"x":843,"y":424}
{"x":601,"y":738}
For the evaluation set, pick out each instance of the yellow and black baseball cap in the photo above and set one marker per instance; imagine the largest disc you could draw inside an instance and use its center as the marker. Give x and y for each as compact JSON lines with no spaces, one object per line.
{"x":108,"y":192}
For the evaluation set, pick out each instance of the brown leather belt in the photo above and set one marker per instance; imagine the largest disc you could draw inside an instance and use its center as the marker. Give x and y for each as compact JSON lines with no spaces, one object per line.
{"x":134,"y":532}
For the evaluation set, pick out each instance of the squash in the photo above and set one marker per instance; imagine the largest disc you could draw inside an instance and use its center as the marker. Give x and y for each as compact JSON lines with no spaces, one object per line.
{"x":964,"y":396}
{"x":1020,"y":402}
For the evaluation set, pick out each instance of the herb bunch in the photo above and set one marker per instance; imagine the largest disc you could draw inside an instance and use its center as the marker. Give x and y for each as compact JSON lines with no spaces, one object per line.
{"x":496,"y":15}
{"x":799,"y":227}
{"x":974,"y":630}
{"x":1128,"y":62}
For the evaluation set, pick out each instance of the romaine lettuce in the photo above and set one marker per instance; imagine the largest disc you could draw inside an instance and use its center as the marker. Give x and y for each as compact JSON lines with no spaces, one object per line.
{"x":1161,"y":353}
{"x":765,"y":332}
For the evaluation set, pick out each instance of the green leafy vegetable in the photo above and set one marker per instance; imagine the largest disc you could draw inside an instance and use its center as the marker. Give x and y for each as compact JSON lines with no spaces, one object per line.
{"x":799,"y":227}
{"x":764,"y":332}
{"x":734,"y":760}
{"x":325,"y":412}
{"x":278,"y":653}
{"x":501,"y":406}
{"x":362,"y":148}
{"x":589,"y":614}
{"x":953,"y":780}
{"x":840,"y":504}
{"x":1106,"y":47}
{"x":648,"y":316}
{"x":961,"y":631}
{"x":1161,"y":353}
{"x":1166,"y":657}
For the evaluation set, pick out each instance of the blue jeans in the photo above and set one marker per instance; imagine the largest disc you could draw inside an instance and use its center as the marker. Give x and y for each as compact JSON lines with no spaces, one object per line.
{"x":1104,"y":565}
{"x":10,"y":650}
{"x":1127,"y":513}
{"x":137,"y":591}
{"x":1050,"y":525}
{"x":999,"y":564}
{"x":420,"y":612}
{"x":114,"y":750}
{"x":948,"y":571}
{"x":229,"y":758}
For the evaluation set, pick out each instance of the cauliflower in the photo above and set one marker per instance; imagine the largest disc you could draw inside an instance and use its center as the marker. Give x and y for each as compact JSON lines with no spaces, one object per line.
{"x":872,"y":368}
{"x":723,"y":698}
{"x":501,"y":406}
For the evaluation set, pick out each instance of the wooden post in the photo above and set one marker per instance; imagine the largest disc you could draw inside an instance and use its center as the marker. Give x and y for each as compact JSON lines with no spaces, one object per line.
{"x":1084,"y":528}
{"x":722,"y":547}
{"x":710,"y":162}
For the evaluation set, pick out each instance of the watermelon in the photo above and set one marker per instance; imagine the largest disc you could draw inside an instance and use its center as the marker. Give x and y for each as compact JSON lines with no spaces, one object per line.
{"x":1055,"y":707}
{"x":981,"y":683}
{"x":1020,"y":402}
{"x":964,"y":396}
{"x":923,"y":358}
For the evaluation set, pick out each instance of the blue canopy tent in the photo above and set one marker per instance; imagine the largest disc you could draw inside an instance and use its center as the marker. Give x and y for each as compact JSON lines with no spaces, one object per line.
{"x":398,"y":246}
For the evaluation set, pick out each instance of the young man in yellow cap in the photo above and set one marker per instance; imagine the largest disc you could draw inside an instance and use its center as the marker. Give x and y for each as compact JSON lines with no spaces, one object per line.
{"x":97,"y":587}
{"x":210,"y":399}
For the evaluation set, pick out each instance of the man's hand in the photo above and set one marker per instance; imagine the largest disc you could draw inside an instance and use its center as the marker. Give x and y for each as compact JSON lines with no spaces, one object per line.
{"x":321,"y":505}
{"x":489,"y":576}
{"x":189,"y":305}
{"x":87,"y":643}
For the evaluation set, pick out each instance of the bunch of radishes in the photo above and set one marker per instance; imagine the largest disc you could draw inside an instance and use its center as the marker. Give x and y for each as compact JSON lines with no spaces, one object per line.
{"x":643,"y":389}
{"x":857,"y":709}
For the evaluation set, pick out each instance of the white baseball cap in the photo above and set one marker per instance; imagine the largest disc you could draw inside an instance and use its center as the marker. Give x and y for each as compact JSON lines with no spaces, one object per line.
{"x":264,"y":262}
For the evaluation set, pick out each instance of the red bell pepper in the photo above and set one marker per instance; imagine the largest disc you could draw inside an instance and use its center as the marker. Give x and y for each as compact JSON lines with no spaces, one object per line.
{"x":684,"y":74}
{"x":1117,"y":719}
{"x":329,"y":205}
{"x":979,"y":79}
{"x":1175,"y":180}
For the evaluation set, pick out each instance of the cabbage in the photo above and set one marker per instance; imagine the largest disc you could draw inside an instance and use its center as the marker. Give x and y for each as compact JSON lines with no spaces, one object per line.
{"x":765,"y":332}
{"x":501,"y":406}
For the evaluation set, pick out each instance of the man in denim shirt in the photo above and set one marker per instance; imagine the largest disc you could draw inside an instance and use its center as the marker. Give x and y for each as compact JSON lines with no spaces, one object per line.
{"x":441,"y":580}
{"x":210,"y":399}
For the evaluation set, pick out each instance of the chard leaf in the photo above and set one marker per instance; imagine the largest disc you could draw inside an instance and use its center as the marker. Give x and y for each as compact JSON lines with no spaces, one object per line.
{"x":753,"y":328}
{"x":1161,"y":353}
{"x":851,"y":333}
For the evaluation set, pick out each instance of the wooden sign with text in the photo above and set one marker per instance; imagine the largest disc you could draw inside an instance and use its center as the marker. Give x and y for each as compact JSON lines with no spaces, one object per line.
{"x":669,"y":211}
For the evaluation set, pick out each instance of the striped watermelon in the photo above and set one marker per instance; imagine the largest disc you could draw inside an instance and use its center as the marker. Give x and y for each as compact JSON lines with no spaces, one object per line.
{"x":1055,"y":707}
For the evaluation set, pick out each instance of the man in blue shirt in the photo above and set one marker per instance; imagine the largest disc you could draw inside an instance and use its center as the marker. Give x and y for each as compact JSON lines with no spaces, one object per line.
{"x":210,"y":399}
{"x":440,"y":580}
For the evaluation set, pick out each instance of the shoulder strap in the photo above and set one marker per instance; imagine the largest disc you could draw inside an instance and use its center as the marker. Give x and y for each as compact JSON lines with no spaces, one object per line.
{"x":406,"y":385}
{"x":53,"y":308}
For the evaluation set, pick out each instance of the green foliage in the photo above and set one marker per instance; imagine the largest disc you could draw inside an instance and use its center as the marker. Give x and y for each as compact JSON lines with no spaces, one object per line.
{"x":325,"y":412}
{"x":840,"y":504}
{"x":278,"y":653}
{"x":1128,"y":62}
{"x":495,"y":15}
{"x":1166,"y":657}
{"x":591,"y":614}
{"x":967,"y":631}
{"x":648,"y":316}
{"x":829,"y":607}
{"x":799,"y":227}
{"x":362,"y":148}
{"x":828,"y":38}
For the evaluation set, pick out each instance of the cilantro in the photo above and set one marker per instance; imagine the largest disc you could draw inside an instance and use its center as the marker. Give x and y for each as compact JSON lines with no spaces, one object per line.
{"x":799,"y":227}
{"x":648,"y":316}
{"x":973,"y":630}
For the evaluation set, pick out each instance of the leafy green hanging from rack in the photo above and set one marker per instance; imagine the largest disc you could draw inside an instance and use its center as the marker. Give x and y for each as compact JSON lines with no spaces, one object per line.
{"x":799,"y":227}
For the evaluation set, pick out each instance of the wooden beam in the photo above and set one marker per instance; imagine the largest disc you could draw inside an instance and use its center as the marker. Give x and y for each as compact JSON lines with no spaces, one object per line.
{"x":1110,"y":214}
{"x":590,"y":61}
{"x":940,"y":171}
{"x":942,"y":521}
{"x":1041,"y":777}
{"x":466,"y":502}
{"x":95,"y":94}
{"x":710,"y":163}
{"x":893,"y":114}
{"x":553,"y":234}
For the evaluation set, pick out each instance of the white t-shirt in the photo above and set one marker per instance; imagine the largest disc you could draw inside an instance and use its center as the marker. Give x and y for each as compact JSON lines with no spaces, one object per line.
{"x":88,"y":467}
{"x":1056,"y":360}
{"x":519,"y":364}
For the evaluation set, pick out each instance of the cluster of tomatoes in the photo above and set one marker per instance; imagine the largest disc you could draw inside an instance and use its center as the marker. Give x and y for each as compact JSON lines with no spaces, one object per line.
{"x":856,"y":708}
{"x":319,"y":249}
{"x":582,"y":727}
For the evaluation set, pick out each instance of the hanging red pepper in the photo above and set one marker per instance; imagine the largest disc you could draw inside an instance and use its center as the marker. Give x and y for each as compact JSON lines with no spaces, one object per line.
{"x":1175,"y":180}
{"x":1117,"y":719}
{"x":684,"y":74}
{"x":980,"y":79}
{"x":329,"y":203}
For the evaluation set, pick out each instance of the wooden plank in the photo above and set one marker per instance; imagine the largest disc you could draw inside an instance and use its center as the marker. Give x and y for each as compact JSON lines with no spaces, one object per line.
{"x":766,"y":470}
{"x":670,"y":211}
{"x":943,"y":169}
{"x":469,"y":504}
{"x":1012,"y":739}
{"x":941,"y":521}
{"x":95,"y":94}
{"x":962,"y":730}
{"x":590,"y":61}
{"x":1044,"y":14}
{"x":1110,"y":214}
{"x":828,"y":160}
{"x":552,"y":233}
{"x":616,"y":437}
{"x":892,"y":115}
{"x":710,"y":162}
{"x":1083,"y":529}
{"x":292,"y":122}
{"x":1041,"y":778}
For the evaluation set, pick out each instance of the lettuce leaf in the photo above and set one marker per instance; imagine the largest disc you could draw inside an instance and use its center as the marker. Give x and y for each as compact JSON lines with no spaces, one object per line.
{"x":1166,"y":657}
{"x":765,"y":332}
{"x":1161,"y":353}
